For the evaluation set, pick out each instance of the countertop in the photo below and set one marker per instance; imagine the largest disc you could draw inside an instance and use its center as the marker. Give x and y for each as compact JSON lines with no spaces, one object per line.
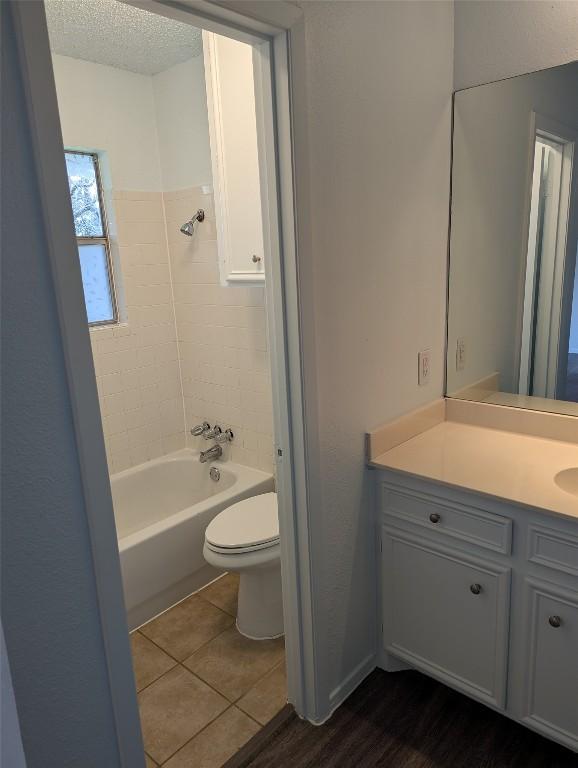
{"x":504,"y":465}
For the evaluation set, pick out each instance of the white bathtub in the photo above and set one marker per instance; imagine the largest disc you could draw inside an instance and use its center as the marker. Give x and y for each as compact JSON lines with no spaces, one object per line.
{"x":162,"y":509}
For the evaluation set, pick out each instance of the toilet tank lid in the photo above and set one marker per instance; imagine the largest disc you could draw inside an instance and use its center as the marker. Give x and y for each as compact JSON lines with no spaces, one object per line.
{"x":247,"y":523}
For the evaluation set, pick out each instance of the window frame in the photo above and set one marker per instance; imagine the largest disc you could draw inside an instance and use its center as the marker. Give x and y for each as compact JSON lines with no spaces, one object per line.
{"x":103,"y":240}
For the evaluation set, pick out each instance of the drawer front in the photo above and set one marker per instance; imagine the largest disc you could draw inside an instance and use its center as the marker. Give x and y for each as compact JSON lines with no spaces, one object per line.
{"x":456,"y":521}
{"x":553,"y":549}
{"x":446,"y":615}
{"x":551,"y":700}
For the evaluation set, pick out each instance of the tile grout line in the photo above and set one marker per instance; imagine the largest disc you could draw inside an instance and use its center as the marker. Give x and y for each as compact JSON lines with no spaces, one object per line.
{"x":204,"y":728}
{"x":182,"y":664}
{"x":179,"y":663}
{"x":194,"y":736}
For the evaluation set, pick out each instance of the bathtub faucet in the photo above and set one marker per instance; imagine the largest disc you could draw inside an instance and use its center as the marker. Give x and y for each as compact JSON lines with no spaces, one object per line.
{"x":214,"y":452}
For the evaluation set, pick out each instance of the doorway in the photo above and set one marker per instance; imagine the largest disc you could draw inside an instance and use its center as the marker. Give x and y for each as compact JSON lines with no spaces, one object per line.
{"x":284,"y":339}
{"x":547,"y":339}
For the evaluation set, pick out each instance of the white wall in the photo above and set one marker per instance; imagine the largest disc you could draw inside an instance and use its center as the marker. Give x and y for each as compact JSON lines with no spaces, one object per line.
{"x":104,"y":108}
{"x":11,"y":749}
{"x":136,"y":362}
{"x":490,"y":193}
{"x":221,"y":361}
{"x":379,"y":80}
{"x":182,"y":125}
{"x":493,"y":40}
{"x":50,"y":612}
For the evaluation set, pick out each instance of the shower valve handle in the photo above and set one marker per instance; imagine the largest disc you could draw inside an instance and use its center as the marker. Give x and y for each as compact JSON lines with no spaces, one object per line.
{"x":212,"y":434}
{"x":200,"y":429}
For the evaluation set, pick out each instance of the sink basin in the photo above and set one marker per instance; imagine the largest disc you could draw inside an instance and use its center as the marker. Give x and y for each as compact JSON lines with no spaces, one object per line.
{"x":567,"y":480}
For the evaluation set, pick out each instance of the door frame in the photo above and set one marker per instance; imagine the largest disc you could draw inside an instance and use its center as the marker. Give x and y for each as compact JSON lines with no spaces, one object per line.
{"x":275,"y":30}
{"x":556,"y":323}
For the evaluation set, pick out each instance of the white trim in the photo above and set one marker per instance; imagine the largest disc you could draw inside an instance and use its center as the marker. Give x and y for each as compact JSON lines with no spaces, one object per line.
{"x":292,"y":352}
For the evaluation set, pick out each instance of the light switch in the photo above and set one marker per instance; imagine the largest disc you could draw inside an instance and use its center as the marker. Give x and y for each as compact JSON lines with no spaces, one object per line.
{"x":423,"y":362}
{"x":460,"y":354}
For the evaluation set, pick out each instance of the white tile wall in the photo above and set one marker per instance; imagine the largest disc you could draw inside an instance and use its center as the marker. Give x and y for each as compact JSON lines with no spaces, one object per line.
{"x":172,"y":364}
{"x":136,"y":362}
{"x":222,"y":338}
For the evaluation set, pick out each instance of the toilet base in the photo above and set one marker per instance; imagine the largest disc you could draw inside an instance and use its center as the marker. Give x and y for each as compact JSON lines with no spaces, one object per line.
{"x":260,"y":609}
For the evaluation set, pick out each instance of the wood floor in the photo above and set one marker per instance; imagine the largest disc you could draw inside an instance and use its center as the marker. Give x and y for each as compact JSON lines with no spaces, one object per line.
{"x":406,"y":720}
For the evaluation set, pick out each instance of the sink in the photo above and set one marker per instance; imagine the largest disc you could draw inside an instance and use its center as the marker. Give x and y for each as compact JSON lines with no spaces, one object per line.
{"x":567,"y":480}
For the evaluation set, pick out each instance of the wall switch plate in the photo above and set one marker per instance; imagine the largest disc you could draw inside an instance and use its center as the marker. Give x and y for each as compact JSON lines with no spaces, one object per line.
{"x":460,"y":354}
{"x":423,"y":367}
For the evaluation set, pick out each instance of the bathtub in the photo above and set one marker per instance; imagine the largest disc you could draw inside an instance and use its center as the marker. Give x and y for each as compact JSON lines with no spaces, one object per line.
{"x":162,"y":509}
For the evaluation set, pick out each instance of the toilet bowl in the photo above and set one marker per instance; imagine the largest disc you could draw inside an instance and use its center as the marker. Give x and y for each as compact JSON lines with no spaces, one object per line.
{"x":245,"y":538}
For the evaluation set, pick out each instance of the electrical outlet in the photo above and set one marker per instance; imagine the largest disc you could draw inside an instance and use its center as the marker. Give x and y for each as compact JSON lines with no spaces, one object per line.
{"x":460,"y":354}
{"x":423,"y":367}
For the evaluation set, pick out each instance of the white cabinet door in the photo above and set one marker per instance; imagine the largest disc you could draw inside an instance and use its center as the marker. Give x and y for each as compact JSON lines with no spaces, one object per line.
{"x":551,"y":700}
{"x":446,"y":614}
{"x":230,"y":86}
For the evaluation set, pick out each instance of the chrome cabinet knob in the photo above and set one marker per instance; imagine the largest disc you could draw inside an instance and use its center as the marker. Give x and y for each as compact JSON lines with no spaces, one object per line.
{"x":555,"y":621}
{"x":475,"y":589}
{"x":255,"y":259}
{"x":435,"y":518}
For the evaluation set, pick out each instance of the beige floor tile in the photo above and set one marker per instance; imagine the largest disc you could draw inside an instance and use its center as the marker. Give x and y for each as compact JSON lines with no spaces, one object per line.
{"x":174,"y":709}
{"x":217,"y":743}
{"x":186,"y":627}
{"x":149,"y":763}
{"x":267,"y":697}
{"x":232,"y":664}
{"x":223,"y":593}
{"x":148,"y":661}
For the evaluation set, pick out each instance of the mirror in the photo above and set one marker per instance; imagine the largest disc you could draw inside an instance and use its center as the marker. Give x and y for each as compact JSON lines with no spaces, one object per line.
{"x":513,"y":282}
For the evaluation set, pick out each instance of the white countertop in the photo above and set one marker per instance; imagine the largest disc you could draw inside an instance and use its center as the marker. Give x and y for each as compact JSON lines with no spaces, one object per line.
{"x":505,"y":465}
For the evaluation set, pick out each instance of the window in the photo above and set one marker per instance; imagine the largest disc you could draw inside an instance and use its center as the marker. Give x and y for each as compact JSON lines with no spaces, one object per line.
{"x":92,"y":237}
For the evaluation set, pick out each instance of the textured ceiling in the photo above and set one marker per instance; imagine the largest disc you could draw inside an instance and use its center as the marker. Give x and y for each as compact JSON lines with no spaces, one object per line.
{"x":110,"y":32}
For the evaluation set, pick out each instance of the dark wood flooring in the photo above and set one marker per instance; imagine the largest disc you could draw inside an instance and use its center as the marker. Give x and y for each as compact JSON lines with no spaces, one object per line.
{"x":404,"y":720}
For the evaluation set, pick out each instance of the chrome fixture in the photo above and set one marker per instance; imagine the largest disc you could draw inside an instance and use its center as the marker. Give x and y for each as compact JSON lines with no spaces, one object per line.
{"x":212,"y":434}
{"x":476,"y":589}
{"x":214,"y":452}
{"x":200,"y":429}
{"x":215,"y":474}
{"x":255,"y":259}
{"x":435,"y":518}
{"x":188,"y":227}
{"x":225,"y":437}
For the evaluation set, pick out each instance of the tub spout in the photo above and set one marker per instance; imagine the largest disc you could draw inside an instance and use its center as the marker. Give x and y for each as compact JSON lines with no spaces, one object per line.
{"x":215,"y":452}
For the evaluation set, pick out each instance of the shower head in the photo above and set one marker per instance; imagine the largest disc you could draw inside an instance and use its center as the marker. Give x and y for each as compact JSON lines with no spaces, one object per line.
{"x":188,"y":227}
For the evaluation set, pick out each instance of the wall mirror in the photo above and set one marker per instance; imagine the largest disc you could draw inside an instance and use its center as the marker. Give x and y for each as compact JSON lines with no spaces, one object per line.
{"x":513,"y":281}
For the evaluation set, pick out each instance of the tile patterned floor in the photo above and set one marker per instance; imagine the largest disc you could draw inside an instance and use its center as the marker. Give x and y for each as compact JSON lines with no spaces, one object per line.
{"x":204,"y":690}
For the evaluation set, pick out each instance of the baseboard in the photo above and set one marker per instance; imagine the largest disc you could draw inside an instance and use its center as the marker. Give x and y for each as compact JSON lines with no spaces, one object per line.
{"x":346,"y":688}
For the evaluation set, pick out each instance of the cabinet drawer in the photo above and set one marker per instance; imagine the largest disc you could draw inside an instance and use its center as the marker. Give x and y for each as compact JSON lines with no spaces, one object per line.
{"x":553,"y":549}
{"x":551,"y":700}
{"x":457,"y":521}
{"x":446,"y":614}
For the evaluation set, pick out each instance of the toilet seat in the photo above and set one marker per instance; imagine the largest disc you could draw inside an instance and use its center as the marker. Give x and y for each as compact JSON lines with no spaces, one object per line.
{"x":247,"y":526}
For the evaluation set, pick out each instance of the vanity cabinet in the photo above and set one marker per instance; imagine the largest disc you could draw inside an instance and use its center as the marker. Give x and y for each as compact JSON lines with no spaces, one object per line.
{"x":551,"y":673}
{"x":447,"y":614}
{"x":483,"y":596}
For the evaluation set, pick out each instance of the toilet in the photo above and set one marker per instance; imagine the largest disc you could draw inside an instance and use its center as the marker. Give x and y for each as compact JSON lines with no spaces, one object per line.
{"x":245,"y":538}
